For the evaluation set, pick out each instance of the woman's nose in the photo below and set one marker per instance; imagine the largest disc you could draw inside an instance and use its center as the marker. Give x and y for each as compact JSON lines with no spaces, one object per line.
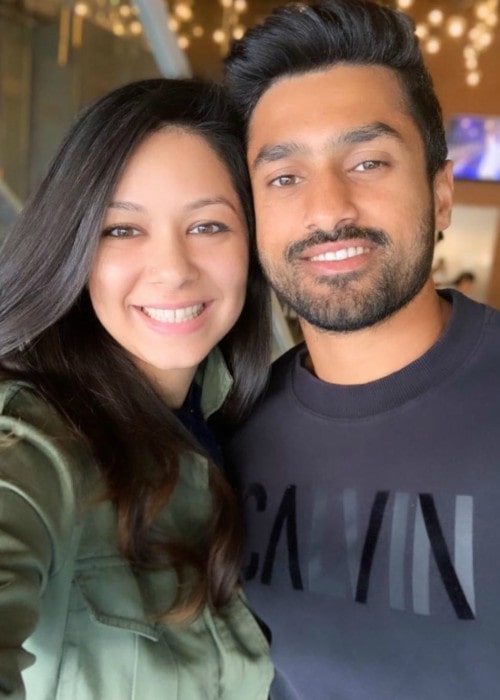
{"x":171,"y":263}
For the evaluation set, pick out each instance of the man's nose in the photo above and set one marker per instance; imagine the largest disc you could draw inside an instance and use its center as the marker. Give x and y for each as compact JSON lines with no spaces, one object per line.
{"x":329,"y":201}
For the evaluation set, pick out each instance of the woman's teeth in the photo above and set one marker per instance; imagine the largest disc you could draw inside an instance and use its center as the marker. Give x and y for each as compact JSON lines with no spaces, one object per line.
{"x":173,"y":315}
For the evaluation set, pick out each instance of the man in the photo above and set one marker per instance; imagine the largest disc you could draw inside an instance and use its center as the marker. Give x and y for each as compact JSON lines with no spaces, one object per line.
{"x":371,"y":469}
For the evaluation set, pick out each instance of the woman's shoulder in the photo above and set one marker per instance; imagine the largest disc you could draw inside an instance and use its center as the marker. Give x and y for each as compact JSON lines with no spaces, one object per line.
{"x":25,"y":413}
{"x":24,"y":405}
{"x":42,"y":458}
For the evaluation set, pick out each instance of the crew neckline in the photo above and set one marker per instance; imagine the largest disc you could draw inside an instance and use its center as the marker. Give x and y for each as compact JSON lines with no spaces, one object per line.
{"x":448,"y":353}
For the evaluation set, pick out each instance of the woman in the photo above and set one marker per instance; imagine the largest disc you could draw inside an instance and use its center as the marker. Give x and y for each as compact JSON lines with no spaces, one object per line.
{"x":124,"y":293}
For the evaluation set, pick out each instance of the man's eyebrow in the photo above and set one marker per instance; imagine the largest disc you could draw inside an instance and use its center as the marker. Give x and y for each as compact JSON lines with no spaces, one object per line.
{"x":368,"y":132}
{"x":362,"y":134}
{"x":278,"y":151}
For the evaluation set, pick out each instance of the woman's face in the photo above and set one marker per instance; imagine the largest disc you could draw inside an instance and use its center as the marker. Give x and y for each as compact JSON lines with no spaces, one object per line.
{"x":169,"y":277}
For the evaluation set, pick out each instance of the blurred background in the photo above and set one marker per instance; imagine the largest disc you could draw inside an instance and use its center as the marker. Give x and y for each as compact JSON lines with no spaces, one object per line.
{"x":58,"y":55}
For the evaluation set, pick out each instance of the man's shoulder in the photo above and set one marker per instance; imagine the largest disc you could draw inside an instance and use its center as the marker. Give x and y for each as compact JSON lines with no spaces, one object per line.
{"x":473,"y":316}
{"x":492,"y":316}
{"x":470,"y":305}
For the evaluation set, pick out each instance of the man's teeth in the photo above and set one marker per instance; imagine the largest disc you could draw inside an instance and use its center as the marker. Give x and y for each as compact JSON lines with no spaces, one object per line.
{"x":173,"y":315}
{"x":342,"y":253}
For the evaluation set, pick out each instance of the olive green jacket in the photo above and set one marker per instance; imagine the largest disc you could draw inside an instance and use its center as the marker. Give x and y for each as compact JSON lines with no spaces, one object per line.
{"x":76,"y":622}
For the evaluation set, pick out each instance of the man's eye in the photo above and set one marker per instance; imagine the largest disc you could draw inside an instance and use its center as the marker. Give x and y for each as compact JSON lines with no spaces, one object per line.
{"x":369,"y":165}
{"x":285,"y":180}
{"x":209,"y":228}
{"x":120,"y":232}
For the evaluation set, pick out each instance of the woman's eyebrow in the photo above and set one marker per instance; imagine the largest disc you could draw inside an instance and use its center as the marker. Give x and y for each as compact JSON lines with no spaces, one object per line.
{"x":207,"y":201}
{"x":126,"y":206}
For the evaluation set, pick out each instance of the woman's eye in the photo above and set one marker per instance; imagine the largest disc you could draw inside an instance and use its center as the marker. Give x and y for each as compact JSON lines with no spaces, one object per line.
{"x":285,"y":180}
{"x":209,"y":227}
{"x":120,"y":232}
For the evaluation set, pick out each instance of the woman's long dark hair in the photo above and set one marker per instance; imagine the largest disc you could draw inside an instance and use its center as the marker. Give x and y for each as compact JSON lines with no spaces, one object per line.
{"x":50,"y":336}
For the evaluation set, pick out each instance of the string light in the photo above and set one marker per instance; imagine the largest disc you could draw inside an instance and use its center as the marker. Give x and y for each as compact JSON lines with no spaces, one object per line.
{"x":456,"y":26}
{"x":230,"y":27}
{"x":183,"y":22}
{"x":433,"y":45}
{"x":184,"y":11}
{"x":219,"y":36}
{"x":474,"y":23}
{"x":81,"y":9}
{"x":473,"y":78}
{"x":116,"y":16}
{"x":435,"y":17}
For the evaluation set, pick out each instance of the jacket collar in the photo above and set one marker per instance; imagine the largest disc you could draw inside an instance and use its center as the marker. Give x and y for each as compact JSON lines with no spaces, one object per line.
{"x":216,"y":382}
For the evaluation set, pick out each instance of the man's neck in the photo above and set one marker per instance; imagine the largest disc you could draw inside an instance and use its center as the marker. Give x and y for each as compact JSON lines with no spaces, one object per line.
{"x":371,"y":353}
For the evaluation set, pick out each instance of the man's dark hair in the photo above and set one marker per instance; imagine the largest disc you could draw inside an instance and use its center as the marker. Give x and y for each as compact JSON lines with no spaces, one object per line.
{"x":299,"y":39}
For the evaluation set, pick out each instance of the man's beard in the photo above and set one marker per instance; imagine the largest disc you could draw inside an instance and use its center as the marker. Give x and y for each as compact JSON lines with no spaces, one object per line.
{"x":346,"y":302}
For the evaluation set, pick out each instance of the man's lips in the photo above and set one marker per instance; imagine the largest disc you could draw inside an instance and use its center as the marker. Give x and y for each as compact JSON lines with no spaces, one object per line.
{"x":334,"y":252}
{"x":345,"y":242}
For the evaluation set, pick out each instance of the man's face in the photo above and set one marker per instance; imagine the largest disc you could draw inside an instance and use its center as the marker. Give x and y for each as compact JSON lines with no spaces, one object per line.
{"x":345,"y":212}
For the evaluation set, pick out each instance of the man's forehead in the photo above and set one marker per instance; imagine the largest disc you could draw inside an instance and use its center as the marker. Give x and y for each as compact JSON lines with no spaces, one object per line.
{"x":354,"y":102}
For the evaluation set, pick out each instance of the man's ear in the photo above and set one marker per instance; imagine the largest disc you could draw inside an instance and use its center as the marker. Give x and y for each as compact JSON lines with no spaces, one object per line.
{"x":443,"y":196}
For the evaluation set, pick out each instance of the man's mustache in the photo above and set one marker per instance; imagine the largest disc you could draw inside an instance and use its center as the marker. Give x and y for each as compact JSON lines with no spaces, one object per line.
{"x":342,"y":233}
